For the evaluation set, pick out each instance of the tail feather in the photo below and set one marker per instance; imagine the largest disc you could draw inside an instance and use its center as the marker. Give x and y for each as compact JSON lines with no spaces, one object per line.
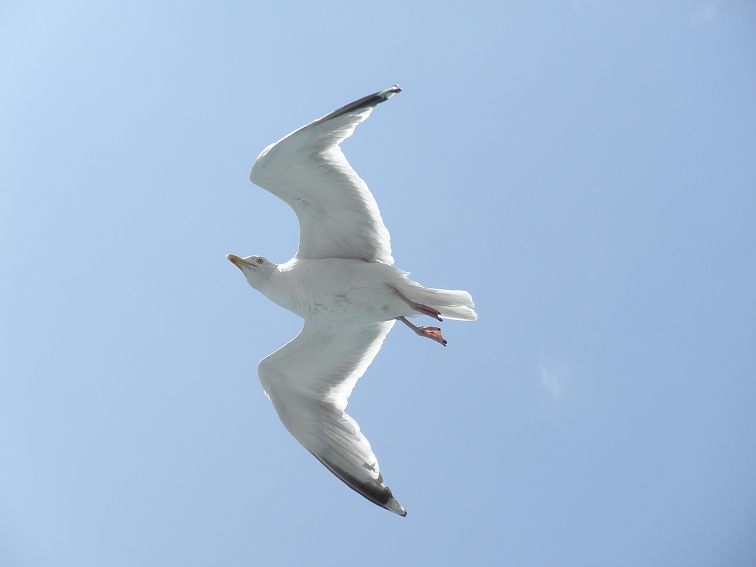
{"x":451,"y":304}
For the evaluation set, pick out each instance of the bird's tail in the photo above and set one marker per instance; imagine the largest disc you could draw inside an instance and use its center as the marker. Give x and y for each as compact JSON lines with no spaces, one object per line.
{"x":450,"y":303}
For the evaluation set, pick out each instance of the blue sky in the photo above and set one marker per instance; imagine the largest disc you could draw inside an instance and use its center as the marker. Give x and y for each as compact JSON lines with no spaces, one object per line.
{"x":585,"y":169}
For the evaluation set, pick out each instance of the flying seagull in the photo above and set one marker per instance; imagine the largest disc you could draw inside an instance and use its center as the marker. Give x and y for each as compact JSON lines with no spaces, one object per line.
{"x":342,"y":283}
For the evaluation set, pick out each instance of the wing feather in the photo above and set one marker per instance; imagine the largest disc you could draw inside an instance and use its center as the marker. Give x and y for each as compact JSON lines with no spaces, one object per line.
{"x":309,"y":381}
{"x":338,"y":216}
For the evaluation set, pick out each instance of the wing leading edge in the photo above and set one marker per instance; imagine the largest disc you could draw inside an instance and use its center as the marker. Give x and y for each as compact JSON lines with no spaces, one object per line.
{"x":338,"y":216}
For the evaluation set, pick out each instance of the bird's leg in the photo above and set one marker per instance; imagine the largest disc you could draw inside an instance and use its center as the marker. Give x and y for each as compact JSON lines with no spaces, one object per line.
{"x":433,"y":333}
{"x":419,"y":307}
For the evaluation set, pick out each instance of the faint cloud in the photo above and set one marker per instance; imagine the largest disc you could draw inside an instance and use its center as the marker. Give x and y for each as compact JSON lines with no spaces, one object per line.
{"x":708,"y":12}
{"x":551,"y":380}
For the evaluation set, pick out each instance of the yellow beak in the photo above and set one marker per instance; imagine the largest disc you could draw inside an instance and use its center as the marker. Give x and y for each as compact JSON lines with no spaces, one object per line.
{"x":238,"y":262}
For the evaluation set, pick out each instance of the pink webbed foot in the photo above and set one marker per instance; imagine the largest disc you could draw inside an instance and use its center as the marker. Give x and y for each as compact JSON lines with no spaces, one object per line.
{"x":425,"y":310}
{"x":419,"y":307}
{"x":433,"y":333}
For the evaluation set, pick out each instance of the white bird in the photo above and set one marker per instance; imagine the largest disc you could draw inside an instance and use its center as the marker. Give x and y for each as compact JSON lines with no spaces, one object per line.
{"x":342,"y":283}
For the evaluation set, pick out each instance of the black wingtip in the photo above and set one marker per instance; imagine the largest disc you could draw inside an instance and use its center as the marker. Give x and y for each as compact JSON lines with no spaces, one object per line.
{"x":368,"y":101}
{"x":389,"y":92}
{"x":376,"y":493}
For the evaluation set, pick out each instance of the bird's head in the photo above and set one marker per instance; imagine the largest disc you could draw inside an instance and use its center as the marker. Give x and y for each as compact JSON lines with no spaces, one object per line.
{"x":256,"y":269}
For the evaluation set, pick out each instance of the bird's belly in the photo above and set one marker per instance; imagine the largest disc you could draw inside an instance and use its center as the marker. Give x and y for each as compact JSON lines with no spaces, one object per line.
{"x":346,"y":290}
{"x":375,"y":303}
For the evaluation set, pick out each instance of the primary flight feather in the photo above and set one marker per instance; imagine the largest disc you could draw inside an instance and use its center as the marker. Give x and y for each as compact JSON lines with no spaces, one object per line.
{"x":342,"y":283}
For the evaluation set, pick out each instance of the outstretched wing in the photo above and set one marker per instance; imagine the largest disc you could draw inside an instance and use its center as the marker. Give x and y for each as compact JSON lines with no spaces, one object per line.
{"x":338,"y":216}
{"x":309,"y":381}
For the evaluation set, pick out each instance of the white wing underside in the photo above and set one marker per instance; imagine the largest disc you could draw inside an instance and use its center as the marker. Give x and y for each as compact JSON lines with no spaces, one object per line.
{"x":309,"y":381}
{"x":338,"y":216}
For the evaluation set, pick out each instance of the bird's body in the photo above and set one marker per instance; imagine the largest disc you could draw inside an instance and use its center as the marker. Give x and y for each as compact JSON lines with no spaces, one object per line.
{"x":349,"y":291}
{"x":343,"y":284}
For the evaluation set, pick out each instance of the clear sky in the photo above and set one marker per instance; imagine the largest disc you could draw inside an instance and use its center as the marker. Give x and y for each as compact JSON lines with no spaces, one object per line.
{"x":585,"y":169}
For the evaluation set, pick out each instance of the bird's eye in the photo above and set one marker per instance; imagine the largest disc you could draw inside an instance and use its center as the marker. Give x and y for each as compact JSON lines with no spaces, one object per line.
{"x":259,"y":260}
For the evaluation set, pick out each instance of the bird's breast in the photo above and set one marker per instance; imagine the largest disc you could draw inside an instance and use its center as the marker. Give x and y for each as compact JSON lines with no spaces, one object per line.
{"x":336,"y":289}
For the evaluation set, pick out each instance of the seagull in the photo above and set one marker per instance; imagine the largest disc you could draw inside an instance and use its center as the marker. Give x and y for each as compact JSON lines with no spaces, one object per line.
{"x":342,"y":282}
